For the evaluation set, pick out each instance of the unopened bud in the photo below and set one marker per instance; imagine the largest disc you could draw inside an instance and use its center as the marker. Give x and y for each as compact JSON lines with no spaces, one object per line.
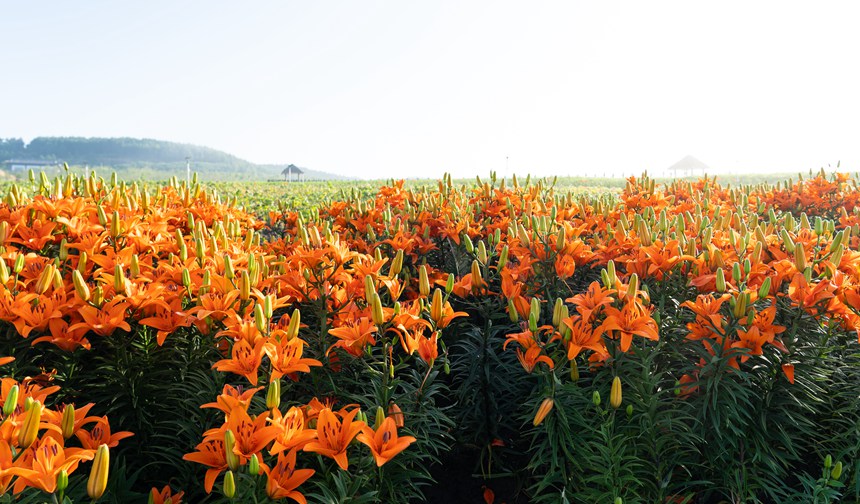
{"x":11,"y":401}
{"x":295,"y":323}
{"x":67,"y":424}
{"x":229,"y":485}
{"x":423,"y":281}
{"x":230,"y":455}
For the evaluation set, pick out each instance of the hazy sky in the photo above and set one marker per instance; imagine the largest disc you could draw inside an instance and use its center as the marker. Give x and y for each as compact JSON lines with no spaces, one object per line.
{"x":408,"y":88}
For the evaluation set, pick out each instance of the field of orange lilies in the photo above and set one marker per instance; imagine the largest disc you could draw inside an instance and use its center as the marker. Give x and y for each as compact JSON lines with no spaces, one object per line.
{"x":500,"y":342}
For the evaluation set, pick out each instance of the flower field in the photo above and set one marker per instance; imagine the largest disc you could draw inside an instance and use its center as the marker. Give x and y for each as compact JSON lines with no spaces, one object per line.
{"x":501,"y":341}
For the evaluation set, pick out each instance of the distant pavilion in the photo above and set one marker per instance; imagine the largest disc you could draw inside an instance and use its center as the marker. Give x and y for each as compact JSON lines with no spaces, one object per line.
{"x":688,"y":167}
{"x":291,"y":170}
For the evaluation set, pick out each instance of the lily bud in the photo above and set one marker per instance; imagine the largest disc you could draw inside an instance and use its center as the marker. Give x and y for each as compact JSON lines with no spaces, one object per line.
{"x":11,"y":401}
{"x":229,"y":485}
{"x":67,"y":424}
{"x":633,"y":286}
{"x":81,"y":288}
{"x":4,"y":272}
{"x":228,"y":268}
{"x":45,"y":279}
{"x":836,"y":255}
{"x":533,"y":322}
{"x":721,"y":281}
{"x":556,"y":312}
{"x":534,"y":308}
{"x":260,"y":320}
{"x":467,"y":242}
{"x":229,"y":443}
{"x":245,"y":287}
{"x":295,"y":322}
{"x":477,"y":278}
{"x":561,"y":242}
{"x":436,"y":306}
{"x":97,"y":483}
{"x":397,"y":264}
{"x":736,"y":273}
{"x":615,"y":393}
{"x":186,"y":278}
{"x":799,"y":257}
{"x":395,"y":413}
{"x":595,"y":398}
{"x":503,"y":257}
{"x":30,"y":428}
{"x":254,"y":465}
{"x":482,"y":252}
{"x":369,"y":288}
{"x":62,"y":480}
{"x":82,"y":262}
{"x":512,"y":312}
{"x":114,"y":225}
{"x":523,"y":235}
{"x":837,"y":471}
{"x":376,"y":310}
{"x":134,"y":268}
{"x":268,"y":309}
{"x":98,"y":297}
{"x":423,"y":281}
{"x":380,"y":417}
{"x":449,"y":285}
{"x":764,"y":290}
{"x":543,"y":411}
{"x":273,"y":394}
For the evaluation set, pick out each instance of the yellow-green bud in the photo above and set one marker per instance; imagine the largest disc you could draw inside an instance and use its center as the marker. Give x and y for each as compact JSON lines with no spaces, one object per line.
{"x":837,"y":471}
{"x":423,"y":281}
{"x":764,"y":290}
{"x":721,"y":280}
{"x":295,"y":322}
{"x":229,"y":443}
{"x":67,"y":424}
{"x":97,"y":482}
{"x":62,"y":480}
{"x":273,"y":394}
{"x":254,"y":465}
{"x":615,"y":393}
{"x":229,"y":485}
{"x":595,"y":398}
{"x":512,"y":311}
{"x":11,"y":401}
{"x":30,"y":428}
{"x":260,"y":320}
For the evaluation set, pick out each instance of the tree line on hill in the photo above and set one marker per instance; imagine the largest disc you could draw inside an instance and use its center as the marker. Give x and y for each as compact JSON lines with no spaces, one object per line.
{"x":140,"y":158}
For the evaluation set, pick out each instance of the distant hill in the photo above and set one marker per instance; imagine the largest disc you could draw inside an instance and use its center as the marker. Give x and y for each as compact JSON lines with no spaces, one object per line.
{"x":143,"y":158}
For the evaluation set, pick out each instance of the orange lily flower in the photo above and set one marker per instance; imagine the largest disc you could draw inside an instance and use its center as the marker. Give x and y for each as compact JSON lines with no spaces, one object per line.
{"x":591,"y":300}
{"x":532,"y":357}
{"x":283,"y":479}
{"x":245,"y":360}
{"x":353,"y":337}
{"x":49,"y":458}
{"x":101,"y":434}
{"x":34,"y":312}
{"x":334,"y":436}
{"x":293,"y":432}
{"x":286,"y":357}
{"x":211,"y":454}
{"x":106,"y":320}
{"x":631,"y":319}
{"x":583,"y":336}
{"x":384,"y":444}
{"x":252,"y":435}
{"x":232,"y":397}
{"x":165,"y":495}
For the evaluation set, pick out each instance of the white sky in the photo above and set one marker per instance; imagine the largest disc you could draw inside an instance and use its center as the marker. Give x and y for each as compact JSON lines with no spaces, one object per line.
{"x":408,"y":89}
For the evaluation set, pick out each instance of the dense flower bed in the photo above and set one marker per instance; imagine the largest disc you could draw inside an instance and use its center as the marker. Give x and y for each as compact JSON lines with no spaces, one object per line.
{"x":497,"y":342}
